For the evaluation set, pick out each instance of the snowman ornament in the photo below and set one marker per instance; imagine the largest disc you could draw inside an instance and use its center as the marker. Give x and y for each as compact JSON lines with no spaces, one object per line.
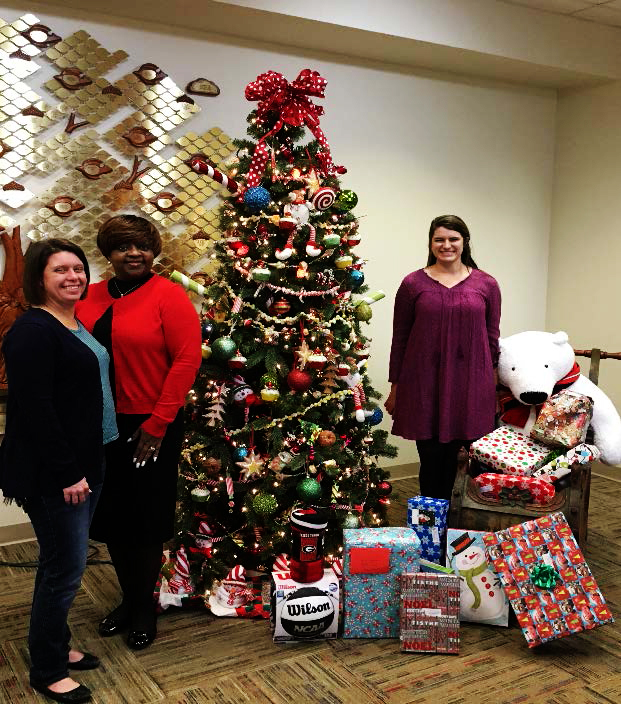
{"x":481,"y":596}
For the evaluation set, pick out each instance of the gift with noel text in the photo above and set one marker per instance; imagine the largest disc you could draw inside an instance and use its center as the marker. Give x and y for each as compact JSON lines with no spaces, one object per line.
{"x":374,"y":559}
{"x":427,"y":518}
{"x":546,"y":578}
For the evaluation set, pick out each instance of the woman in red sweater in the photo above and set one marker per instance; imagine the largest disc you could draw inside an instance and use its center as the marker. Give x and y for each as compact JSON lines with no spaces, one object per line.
{"x":152,"y":333}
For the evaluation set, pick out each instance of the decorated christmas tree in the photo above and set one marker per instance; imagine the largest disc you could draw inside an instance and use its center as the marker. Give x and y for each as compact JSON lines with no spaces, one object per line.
{"x":282,"y":413}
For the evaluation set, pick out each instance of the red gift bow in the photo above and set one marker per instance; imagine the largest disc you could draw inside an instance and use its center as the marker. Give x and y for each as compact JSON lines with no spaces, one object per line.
{"x":290,"y":100}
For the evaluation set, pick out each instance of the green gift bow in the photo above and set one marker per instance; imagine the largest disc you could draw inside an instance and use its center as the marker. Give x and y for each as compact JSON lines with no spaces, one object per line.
{"x":512,"y":496}
{"x":544,"y":576}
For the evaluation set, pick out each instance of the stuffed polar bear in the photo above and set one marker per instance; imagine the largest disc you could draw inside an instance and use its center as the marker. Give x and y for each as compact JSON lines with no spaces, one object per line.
{"x":532,"y":363}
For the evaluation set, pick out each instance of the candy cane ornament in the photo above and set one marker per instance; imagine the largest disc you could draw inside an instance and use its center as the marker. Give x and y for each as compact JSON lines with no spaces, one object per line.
{"x":200,"y":164}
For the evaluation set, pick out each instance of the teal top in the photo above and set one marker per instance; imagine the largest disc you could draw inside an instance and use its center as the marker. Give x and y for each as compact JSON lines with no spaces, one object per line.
{"x":110,"y":431}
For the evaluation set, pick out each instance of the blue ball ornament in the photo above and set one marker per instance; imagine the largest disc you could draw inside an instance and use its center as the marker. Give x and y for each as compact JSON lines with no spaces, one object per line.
{"x":376,"y":417}
{"x":356,"y":279}
{"x":239,"y":453}
{"x":257,"y":198}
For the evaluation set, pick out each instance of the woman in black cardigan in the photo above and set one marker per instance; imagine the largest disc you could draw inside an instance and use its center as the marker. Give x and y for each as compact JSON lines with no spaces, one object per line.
{"x":59,"y":416}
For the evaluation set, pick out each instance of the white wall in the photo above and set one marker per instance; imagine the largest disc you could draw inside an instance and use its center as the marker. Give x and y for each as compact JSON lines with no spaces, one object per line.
{"x":416,"y":145}
{"x":583,"y":293}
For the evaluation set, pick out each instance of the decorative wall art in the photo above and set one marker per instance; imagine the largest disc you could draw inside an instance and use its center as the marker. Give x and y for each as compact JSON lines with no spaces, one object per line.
{"x":65,"y":128}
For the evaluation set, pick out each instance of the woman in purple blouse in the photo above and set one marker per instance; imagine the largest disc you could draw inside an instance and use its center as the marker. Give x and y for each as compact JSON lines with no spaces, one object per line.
{"x":444,"y":355}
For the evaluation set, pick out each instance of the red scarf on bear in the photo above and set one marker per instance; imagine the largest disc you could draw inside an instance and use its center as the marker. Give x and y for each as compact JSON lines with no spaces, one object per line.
{"x":514,"y":412}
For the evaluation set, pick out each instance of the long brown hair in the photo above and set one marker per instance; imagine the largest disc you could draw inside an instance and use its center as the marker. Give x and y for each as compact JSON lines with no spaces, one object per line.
{"x":452,"y":222}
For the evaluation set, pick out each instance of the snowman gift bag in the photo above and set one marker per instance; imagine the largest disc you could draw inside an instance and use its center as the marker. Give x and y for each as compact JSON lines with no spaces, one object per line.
{"x":482,"y":598}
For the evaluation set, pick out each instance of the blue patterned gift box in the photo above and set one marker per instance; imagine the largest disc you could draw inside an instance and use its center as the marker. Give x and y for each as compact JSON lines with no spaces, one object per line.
{"x":373,"y":562}
{"x":427,"y":518}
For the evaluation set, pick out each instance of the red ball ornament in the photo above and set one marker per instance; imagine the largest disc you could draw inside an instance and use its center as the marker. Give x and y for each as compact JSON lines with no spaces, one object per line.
{"x":299,"y":380}
{"x":242,"y":250}
{"x":384,"y":488}
{"x":280,"y":307}
{"x":384,"y":501}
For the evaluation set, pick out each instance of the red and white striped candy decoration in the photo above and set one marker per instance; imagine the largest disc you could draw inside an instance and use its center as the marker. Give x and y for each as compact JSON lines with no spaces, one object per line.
{"x":281,"y":563}
{"x":311,"y":246}
{"x":337,"y":566}
{"x":229,"y":489}
{"x":323,"y":198}
{"x":204,"y":528}
{"x":237,"y":304}
{"x":201,"y":165}
{"x":182,"y":565}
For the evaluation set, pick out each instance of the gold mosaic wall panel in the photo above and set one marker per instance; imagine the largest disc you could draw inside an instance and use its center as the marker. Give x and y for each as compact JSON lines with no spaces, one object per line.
{"x":66,"y":164}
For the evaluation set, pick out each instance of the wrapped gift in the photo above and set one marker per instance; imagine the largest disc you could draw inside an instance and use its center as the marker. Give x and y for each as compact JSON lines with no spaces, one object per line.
{"x":481,"y":599}
{"x":546,"y":578}
{"x":509,"y":452}
{"x":429,"y":615}
{"x":427,"y":518}
{"x":564,"y":419}
{"x":304,"y":611}
{"x":561,"y":465}
{"x":373,"y":560}
{"x":515,"y":491}
{"x":433,"y":567}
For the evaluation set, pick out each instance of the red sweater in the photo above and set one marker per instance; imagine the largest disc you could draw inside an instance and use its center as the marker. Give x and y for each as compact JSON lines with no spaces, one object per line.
{"x":156,"y":347}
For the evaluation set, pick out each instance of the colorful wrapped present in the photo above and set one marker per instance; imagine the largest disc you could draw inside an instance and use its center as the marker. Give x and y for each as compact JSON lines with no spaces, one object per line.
{"x":509,"y":452}
{"x":564,"y":419}
{"x":429,"y":615}
{"x":427,"y":518}
{"x":515,"y":491}
{"x":308,"y":611}
{"x":561,"y":465}
{"x":482,"y":599}
{"x":373,"y":560}
{"x":546,"y":578}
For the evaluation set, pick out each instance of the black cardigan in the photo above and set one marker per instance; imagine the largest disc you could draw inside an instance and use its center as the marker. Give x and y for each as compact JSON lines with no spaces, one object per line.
{"x":53,"y":432}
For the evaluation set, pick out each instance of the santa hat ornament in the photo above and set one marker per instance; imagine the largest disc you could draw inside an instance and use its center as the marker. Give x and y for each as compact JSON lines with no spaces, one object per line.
{"x":181,"y":583}
{"x":232,"y":593}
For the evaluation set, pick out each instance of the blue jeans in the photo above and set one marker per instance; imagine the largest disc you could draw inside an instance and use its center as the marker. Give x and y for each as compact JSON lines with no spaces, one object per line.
{"x":62,"y":533}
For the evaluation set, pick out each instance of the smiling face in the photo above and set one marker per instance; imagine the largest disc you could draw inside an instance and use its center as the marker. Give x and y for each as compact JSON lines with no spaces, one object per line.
{"x":132,"y":260}
{"x":446,"y":245}
{"x":64,"y":279}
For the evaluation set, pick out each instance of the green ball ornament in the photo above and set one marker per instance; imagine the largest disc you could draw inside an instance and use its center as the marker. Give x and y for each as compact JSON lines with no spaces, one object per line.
{"x":346,"y":200}
{"x":364,"y":312}
{"x":351,"y":521}
{"x":264,"y":504}
{"x":223,"y":349}
{"x":309,"y":490}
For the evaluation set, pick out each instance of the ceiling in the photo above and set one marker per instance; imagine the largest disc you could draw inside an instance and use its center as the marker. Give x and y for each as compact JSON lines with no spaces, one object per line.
{"x":599,"y":11}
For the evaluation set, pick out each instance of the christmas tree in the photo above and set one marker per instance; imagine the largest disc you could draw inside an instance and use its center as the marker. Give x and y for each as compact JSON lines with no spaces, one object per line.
{"x":282,"y":413}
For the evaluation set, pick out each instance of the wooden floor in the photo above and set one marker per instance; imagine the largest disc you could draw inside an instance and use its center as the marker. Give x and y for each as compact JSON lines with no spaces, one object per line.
{"x":198,"y":658}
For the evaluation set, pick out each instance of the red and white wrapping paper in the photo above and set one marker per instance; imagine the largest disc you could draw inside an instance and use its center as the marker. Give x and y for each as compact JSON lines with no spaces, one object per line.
{"x":513,"y":491}
{"x":509,"y":452}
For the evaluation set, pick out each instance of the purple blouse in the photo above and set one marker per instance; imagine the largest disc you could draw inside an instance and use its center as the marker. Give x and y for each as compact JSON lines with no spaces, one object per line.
{"x":444,"y":350}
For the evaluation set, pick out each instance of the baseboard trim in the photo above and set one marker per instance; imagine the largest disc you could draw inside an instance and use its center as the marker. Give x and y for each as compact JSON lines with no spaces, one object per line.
{"x":17,"y":533}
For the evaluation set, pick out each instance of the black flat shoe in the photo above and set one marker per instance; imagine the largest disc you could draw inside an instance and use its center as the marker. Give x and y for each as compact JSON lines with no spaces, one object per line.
{"x":87,"y":662}
{"x":139,"y":640}
{"x":115,"y":622}
{"x":73,"y":696}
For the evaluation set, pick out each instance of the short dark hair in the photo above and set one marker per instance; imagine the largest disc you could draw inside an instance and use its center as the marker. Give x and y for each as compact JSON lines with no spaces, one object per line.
{"x":452,"y":222}
{"x":35,"y":261}
{"x":125,"y":229}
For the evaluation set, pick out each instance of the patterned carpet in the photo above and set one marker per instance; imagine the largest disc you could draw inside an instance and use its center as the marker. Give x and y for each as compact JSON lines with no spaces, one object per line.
{"x":198,"y":658}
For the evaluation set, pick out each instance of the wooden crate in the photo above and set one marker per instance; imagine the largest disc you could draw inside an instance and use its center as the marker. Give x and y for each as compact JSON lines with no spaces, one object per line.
{"x":471,"y":511}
